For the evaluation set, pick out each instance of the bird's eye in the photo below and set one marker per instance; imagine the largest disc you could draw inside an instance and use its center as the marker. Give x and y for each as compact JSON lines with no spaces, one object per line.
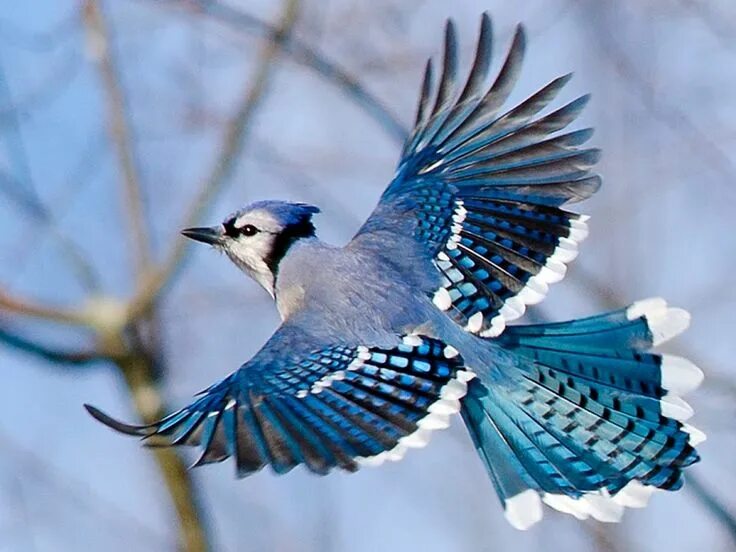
{"x":234,"y":232}
{"x":248,"y":230}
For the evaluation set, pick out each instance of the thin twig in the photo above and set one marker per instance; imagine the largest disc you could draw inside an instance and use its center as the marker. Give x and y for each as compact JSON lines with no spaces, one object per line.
{"x":38,"y":213}
{"x":303,"y":53}
{"x":604,"y":537}
{"x":20,"y":186}
{"x":138,"y":370}
{"x":77,"y":492}
{"x":306,"y":55}
{"x":46,"y":89}
{"x":28,"y":308}
{"x":236,"y":133}
{"x":287,"y":171}
{"x":103,"y":51}
{"x":719,"y":24}
{"x":701,"y":142}
{"x":32,"y":207}
{"x":714,"y":506}
{"x":76,"y":358}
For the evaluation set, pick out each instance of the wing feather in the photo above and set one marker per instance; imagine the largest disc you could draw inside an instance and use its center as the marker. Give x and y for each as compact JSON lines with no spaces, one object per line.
{"x":317,"y":404}
{"x":486,"y":190}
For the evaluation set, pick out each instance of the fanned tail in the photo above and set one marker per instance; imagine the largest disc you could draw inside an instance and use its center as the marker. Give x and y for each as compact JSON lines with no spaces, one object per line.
{"x":588,"y":422}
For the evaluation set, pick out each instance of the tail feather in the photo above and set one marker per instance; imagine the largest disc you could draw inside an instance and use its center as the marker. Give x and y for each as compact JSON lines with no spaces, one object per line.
{"x":586,"y":420}
{"x":543,"y":469}
{"x":637,"y":414}
{"x":577,"y":473}
{"x":632,"y":455}
{"x":636,"y":328}
{"x":509,"y":476}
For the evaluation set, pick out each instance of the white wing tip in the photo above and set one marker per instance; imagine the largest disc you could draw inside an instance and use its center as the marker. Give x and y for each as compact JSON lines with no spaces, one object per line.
{"x":450,"y":351}
{"x":445,"y":406}
{"x":437,"y":417}
{"x":418,"y":439}
{"x":537,"y":286}
{"x":442,"y":299}
{"x":600,"y":505}
{"x":454,"y":389}
{"x":475,"y":323}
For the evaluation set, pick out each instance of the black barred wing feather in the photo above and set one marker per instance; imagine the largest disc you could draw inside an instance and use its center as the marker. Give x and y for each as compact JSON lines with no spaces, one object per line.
{"x":486,"y":187}
{"x":335,"y":406}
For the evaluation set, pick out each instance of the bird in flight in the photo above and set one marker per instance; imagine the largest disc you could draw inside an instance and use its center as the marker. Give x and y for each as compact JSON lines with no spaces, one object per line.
{"x":386,"y":338}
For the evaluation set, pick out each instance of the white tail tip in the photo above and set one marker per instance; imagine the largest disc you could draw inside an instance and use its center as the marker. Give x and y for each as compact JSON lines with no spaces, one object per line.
{"x":696,"y":435}
{"x":524,"y":509}
{"x":679,"y":375}
{"x":674,"y":407}
{"x":663,"y":322}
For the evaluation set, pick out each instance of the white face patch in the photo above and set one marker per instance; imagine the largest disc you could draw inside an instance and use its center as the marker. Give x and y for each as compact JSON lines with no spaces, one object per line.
{"x":250,"y":253}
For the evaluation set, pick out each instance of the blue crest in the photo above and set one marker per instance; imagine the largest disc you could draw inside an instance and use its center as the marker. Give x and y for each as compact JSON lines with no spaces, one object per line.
{"x":285,"y":212}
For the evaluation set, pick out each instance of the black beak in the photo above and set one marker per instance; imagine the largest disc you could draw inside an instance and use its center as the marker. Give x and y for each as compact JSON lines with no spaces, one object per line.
{"x":211,"y":235}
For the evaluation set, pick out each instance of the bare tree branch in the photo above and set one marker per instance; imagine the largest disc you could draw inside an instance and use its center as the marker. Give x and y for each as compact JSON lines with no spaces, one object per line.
{"x":37,"y":211}
{"x":235,"y":136}
{"x":20,"y":188}
{"x":76,"y":492}
{"x":22,"y":343}
{"x":138,"y":369}
{"x":45,"y":90}
{"x":23,"y":307}
{"x":103,"y":51}
{"x":306,"y":55}
{"x":702,"y":143}
{"x":717,"y":23}
{"x":714,"y":506}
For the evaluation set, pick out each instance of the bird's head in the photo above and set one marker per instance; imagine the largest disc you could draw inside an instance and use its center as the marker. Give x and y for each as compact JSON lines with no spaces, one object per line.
{"x":257,"y":237}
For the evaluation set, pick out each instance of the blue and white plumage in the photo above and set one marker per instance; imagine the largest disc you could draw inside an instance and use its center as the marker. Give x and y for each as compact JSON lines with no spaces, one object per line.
{"x":385,"y":338}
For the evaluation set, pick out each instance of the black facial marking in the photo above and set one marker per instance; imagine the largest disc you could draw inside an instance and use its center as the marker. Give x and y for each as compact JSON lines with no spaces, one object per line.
{"x":285,"y":239}
{"x":233,"y":231}
{"x":230,"y":230}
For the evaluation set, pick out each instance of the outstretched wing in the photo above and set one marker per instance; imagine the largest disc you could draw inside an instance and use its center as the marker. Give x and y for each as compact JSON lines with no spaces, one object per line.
{"x":323,"y":405}
{"x":485,"y":188}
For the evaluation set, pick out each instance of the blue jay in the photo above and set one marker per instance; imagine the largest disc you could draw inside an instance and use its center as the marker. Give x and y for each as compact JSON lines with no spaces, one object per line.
{"x":384,"y":339}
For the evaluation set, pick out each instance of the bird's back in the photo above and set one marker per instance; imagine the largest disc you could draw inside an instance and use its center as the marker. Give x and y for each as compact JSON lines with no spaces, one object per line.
{"x":354,"y":291}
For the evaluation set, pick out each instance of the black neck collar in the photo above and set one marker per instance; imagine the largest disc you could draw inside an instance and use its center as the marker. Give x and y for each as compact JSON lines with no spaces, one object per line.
{"x":284,"y":240}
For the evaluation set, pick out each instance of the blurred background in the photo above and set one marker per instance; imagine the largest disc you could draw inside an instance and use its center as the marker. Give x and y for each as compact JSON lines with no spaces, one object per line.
{"x":123,"y":121}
